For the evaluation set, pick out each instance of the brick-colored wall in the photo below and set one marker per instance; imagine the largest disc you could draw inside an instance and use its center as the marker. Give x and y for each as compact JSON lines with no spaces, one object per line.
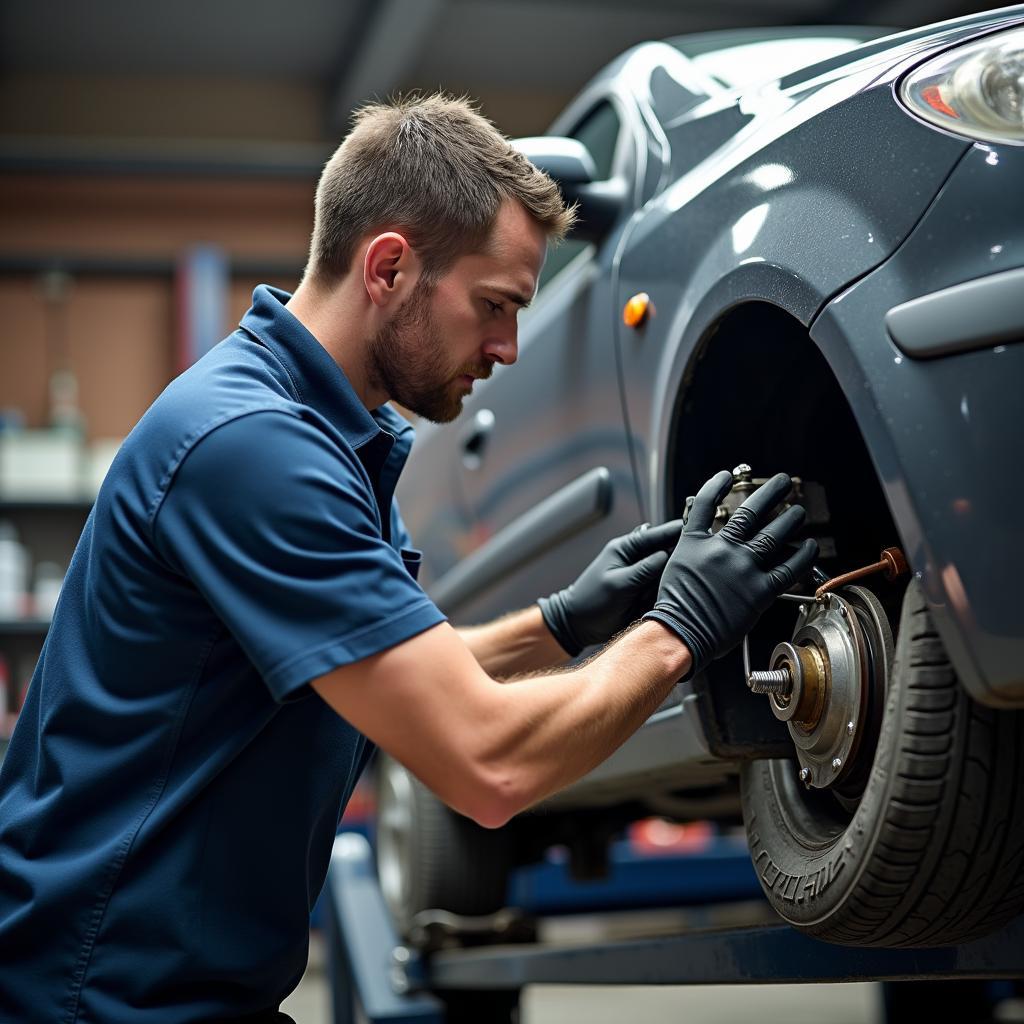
{"x":113,"y":328}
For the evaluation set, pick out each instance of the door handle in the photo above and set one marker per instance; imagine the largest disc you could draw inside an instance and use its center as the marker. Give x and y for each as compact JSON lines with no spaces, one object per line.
{"x":474,"y":440}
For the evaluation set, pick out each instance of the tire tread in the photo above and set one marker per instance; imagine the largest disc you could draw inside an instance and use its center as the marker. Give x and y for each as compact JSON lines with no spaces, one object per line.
{"x":971,"y":845}
{"x":941,"y":829}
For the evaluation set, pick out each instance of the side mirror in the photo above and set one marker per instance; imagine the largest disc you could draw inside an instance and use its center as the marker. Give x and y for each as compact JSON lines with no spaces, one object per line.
{"x":568,"y":161}
{"x":600,"y":203}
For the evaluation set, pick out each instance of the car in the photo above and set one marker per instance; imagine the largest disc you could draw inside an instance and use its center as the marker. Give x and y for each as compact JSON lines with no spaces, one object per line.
{"x":799,"y":250}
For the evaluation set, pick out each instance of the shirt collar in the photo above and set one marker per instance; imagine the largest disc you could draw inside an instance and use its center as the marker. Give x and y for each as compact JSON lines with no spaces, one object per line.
{"x":318,"y":381}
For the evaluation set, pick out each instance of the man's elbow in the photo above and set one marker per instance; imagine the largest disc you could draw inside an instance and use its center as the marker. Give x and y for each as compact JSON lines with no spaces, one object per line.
{"x":494,"y":797}
{"x":492,"y":816}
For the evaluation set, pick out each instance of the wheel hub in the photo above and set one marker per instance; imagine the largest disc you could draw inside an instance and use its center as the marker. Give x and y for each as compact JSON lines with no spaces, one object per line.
{"x":824,"y":707}
{"x":827,"y":683}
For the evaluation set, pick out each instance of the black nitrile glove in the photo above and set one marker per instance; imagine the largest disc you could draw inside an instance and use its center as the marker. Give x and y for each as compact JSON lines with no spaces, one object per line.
{"x":613,"y":591}
{"x":716,"y":586}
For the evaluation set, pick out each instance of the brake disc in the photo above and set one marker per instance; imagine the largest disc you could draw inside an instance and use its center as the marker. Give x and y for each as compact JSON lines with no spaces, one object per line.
{"x":836,"y":670}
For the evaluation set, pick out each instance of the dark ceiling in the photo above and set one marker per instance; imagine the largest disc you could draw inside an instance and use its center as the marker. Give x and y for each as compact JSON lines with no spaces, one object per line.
{"x":291,"y":73}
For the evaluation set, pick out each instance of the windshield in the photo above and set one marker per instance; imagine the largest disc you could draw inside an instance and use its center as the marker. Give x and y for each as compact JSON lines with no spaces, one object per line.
{"x":738,"y":59}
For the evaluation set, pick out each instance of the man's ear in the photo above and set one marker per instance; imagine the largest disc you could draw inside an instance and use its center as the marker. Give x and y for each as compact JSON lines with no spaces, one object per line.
{"x":390,"y":269}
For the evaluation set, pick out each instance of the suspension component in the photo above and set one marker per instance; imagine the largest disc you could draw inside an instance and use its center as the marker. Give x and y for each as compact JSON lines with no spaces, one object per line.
{"x":891,"y":561}
{"x":828,"y":684}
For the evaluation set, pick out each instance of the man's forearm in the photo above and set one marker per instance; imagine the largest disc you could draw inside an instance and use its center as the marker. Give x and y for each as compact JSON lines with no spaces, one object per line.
{"x":556,"y":728}
{"x":519,"y":642}
{"x":488,"y":750}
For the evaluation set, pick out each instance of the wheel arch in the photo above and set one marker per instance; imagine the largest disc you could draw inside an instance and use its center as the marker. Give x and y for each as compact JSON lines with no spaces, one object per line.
{"x":756,"y":366}
{"x":746,"y":358}
{"x":753,"y":386}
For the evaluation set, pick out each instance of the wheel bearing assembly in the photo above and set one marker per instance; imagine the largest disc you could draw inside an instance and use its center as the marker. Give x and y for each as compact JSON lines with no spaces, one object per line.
{"x":828,"y":682}
{"x":837,"y":666}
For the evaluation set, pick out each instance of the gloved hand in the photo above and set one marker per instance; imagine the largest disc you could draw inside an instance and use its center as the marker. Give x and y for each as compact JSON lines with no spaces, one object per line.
{"x":716,"y":586}
{"x":613,"y":591}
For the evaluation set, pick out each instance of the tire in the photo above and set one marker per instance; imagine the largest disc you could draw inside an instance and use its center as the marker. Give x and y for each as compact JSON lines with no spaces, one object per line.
{"x":429,"y":857}
{"x":933,"y":854}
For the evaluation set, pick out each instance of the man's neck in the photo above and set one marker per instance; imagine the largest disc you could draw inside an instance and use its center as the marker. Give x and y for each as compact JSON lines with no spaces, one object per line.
{"x":329,"y":315}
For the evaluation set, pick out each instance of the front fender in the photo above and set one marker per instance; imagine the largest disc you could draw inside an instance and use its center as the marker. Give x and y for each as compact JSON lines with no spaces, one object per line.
{"x":946,"y":434}
{"x":785,"y":217}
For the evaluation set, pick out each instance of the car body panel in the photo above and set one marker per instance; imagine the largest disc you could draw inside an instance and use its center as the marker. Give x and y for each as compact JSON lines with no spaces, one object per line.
{"x":784,"y":226}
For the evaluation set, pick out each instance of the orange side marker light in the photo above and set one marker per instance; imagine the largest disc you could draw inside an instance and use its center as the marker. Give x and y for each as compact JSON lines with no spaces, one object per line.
{"x":636,"y":311}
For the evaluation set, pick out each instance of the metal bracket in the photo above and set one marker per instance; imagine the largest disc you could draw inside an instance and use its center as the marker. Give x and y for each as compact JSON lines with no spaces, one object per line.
{"x":767,"y":954}
{"x":387,"y":980}
{"x":374,"y":976}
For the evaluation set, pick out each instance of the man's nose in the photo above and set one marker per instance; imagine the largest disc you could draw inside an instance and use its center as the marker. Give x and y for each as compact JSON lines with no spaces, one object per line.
{"x":503,"y":348}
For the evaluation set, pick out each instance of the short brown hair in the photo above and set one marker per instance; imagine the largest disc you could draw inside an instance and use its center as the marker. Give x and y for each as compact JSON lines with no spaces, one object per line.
{"x":434,"y":167}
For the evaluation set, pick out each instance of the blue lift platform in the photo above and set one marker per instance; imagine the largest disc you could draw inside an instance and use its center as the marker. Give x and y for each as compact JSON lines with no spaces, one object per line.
{"x":376,"y":978}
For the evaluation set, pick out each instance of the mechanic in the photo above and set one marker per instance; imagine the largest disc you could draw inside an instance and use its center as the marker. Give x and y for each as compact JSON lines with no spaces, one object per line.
{"x":240,"y":624}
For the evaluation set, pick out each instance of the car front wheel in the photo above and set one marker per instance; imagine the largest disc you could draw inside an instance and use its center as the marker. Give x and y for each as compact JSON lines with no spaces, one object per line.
{"x":918,"y":839}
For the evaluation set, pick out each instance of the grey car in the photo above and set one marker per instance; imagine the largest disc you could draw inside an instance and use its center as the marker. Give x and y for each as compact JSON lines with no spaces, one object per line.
{"x":803,"y":251}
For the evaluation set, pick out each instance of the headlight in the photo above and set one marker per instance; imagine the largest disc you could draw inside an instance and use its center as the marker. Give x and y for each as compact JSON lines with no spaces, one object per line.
{"x":975,"y":90}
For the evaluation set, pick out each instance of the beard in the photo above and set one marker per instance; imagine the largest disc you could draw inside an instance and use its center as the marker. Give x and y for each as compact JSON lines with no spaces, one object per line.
{"x":406,"y":361}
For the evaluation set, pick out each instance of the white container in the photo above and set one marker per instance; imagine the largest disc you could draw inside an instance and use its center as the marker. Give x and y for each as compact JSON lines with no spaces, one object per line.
{"x":98,"y":457}
{"x":40,"y":464}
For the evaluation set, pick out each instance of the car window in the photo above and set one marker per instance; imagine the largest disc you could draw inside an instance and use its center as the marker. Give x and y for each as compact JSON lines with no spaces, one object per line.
{"x":599,"y":132}
{"x":559,"y":256}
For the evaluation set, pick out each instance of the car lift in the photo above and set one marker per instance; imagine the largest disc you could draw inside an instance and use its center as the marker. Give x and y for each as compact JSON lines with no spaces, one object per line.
{"x":375,"y":978}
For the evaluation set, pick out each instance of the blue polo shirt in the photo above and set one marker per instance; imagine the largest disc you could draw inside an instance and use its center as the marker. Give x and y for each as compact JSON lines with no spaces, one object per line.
{"x":173,"y":787}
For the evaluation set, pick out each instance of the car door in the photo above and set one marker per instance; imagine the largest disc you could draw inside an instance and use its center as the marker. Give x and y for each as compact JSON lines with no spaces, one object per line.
{"x":542,"y":447}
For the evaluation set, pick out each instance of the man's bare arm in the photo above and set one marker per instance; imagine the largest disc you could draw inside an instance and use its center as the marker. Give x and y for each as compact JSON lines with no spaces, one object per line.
{"x":488,"y":750}
{"x":519,"y":642}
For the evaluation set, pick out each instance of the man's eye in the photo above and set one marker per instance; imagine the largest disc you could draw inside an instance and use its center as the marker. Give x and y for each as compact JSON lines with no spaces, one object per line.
{"x":494,"y":307}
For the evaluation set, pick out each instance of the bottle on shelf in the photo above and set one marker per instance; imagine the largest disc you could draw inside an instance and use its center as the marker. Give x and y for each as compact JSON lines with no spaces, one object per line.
{"x":6,"y":725}
{"x":49,"y":580}
{"x":64,"y":413}
{"x":13,"y":572}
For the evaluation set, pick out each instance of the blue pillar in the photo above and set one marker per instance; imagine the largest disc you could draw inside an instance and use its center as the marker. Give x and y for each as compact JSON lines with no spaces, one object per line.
{"x":202,"y":302}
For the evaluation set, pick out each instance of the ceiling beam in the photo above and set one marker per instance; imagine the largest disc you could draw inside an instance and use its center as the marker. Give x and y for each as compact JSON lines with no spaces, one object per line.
{"x":388,"y":48}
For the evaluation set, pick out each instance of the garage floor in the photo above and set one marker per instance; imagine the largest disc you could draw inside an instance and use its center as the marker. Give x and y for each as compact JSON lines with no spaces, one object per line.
{"x":706,"y":1004}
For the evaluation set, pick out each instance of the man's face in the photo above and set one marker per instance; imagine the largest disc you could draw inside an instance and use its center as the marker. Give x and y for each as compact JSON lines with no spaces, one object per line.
{"x":446,"y":336}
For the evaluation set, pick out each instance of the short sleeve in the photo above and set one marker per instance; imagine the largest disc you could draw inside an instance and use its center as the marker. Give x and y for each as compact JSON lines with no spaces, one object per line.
{"x":276,"y":525}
